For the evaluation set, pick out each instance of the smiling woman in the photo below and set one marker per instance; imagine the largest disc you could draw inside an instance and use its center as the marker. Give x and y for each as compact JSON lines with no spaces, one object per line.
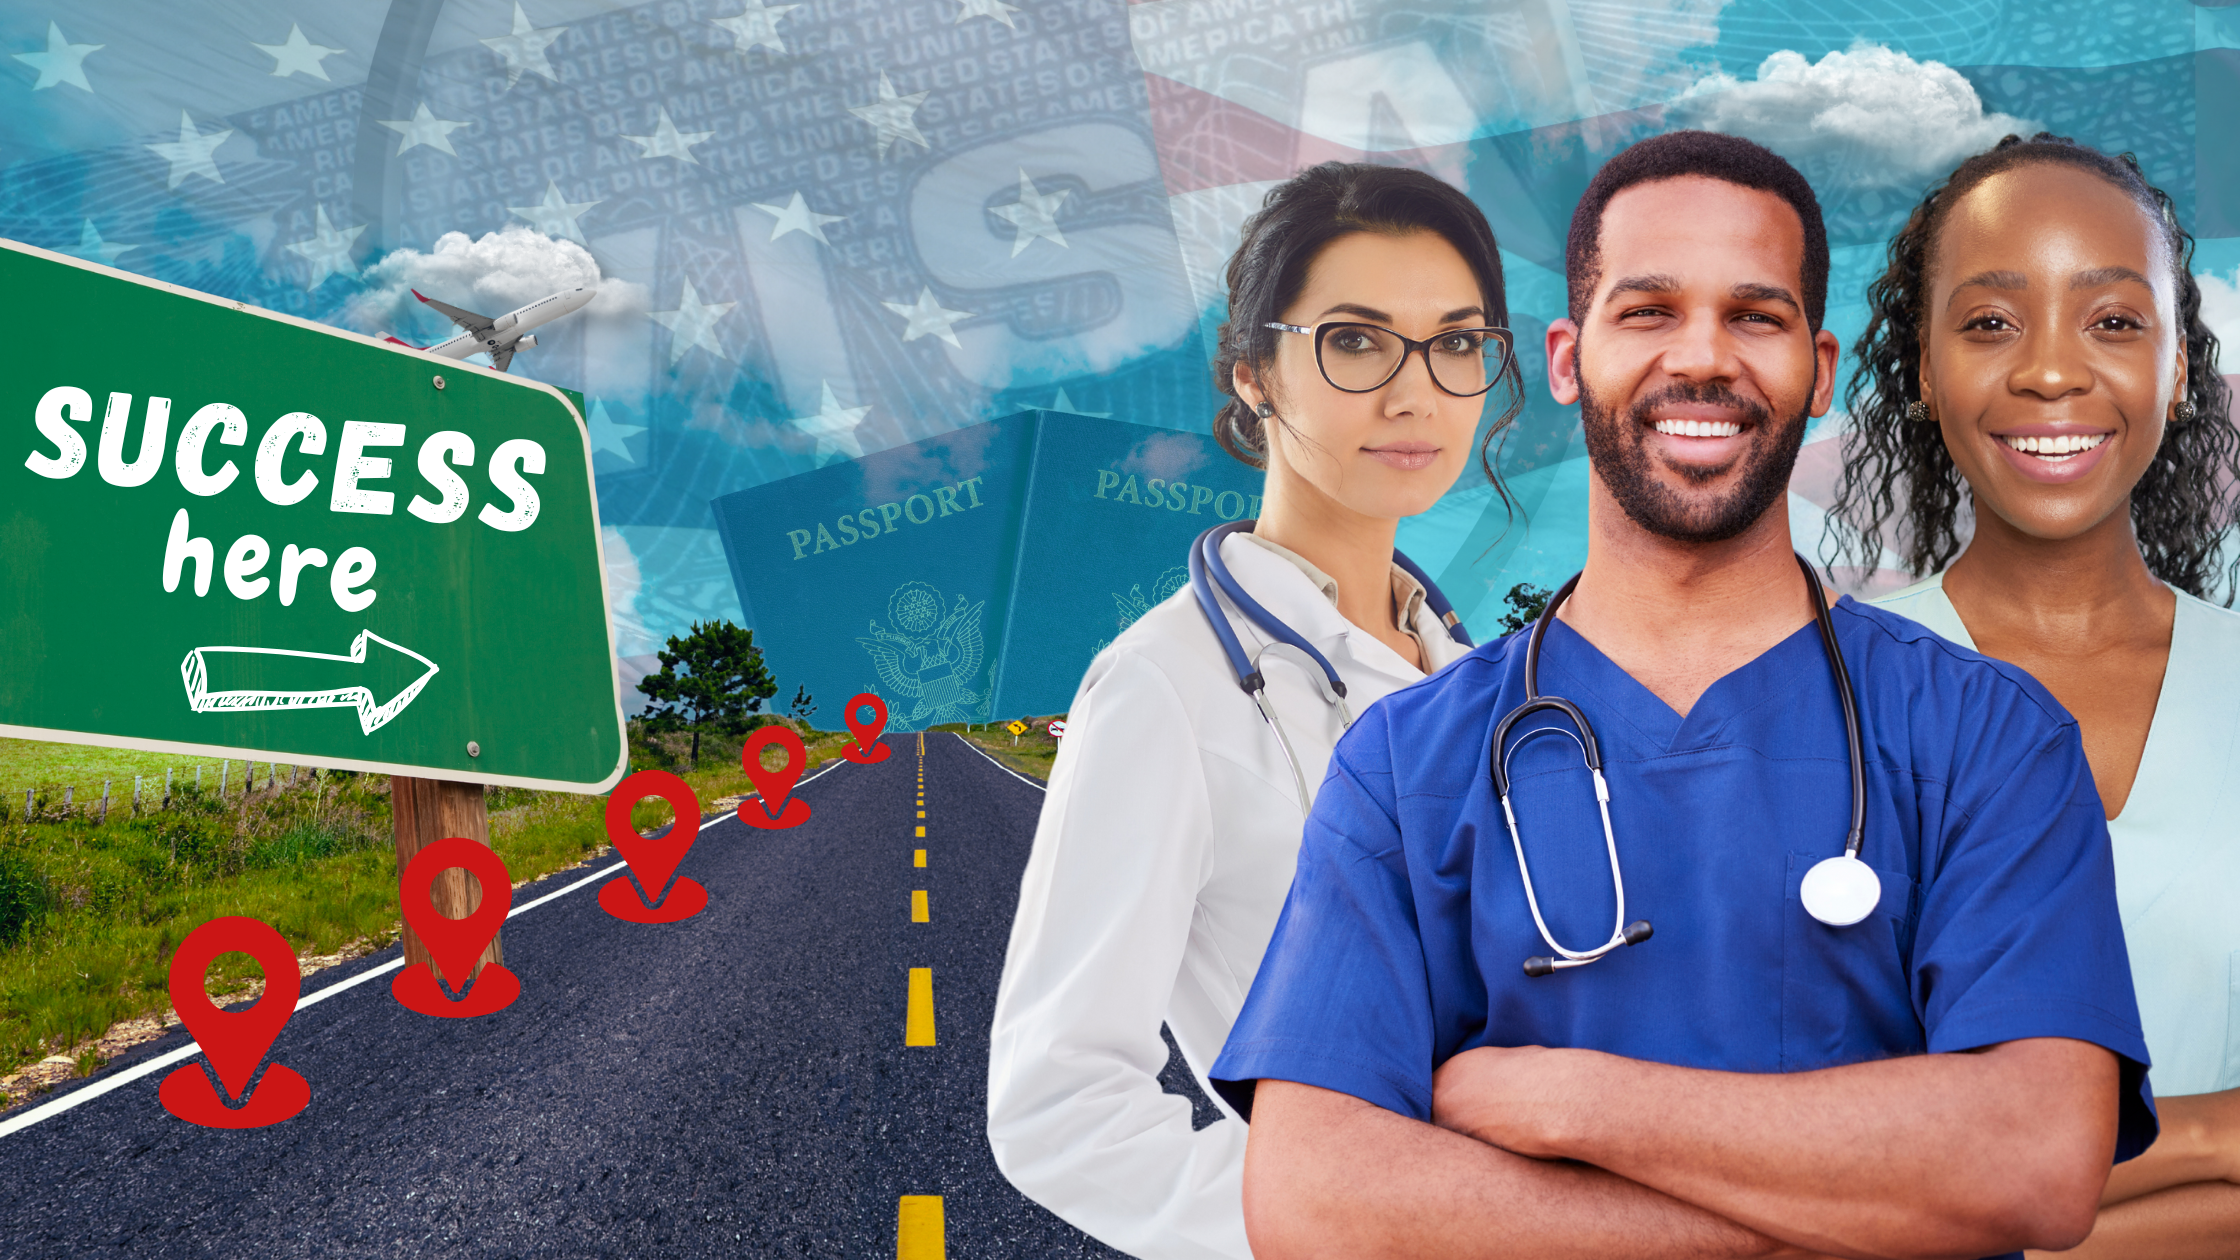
{"x":2037,"y":352}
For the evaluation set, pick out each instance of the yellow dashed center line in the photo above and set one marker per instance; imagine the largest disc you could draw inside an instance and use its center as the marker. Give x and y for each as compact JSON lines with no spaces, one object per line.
{"x":919,"y":1233}
{"x":917,"y":1029}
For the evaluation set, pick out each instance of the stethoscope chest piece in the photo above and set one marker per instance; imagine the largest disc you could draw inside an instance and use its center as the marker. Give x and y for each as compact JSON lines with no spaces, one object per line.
{"x":1841,"y":891}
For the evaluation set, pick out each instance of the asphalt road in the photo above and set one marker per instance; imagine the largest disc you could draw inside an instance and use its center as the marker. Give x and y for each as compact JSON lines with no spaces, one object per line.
{"x":733,"y":1085}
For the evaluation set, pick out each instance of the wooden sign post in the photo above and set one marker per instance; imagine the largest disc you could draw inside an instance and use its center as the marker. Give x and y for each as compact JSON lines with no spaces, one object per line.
{"x":428,"y":810}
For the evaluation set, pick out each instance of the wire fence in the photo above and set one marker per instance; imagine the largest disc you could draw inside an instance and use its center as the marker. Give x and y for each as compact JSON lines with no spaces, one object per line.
{"x":224,"y":780}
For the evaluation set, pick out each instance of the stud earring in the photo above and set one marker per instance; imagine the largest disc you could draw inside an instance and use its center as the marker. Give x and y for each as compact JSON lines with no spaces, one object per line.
{"x":2183,"y":412}
{"x":1264,"y":411}
{"x":1918,"y":411}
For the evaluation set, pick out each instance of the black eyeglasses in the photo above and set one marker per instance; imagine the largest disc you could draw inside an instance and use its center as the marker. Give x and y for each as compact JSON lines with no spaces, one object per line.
{"x":1359,"y":358}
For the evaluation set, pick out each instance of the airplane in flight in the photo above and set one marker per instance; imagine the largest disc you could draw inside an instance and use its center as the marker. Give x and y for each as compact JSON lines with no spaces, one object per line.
{"x":501,"y":337}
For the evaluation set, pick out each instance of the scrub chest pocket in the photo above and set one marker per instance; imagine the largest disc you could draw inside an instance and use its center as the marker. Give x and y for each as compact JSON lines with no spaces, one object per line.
{"x":1847,"y":992}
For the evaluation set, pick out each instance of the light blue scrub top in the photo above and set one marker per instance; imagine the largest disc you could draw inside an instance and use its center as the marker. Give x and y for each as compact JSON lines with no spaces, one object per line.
{"x":2177,"y":845}
{"x":1402,"y":940}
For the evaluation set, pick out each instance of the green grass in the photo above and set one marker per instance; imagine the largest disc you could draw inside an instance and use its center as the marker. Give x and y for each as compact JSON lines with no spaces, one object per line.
{"x":37,"y":763}
{"x":91,"y":914}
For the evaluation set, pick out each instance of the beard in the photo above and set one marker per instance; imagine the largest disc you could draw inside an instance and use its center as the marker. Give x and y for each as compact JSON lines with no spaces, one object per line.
{"x":1617,"y":446}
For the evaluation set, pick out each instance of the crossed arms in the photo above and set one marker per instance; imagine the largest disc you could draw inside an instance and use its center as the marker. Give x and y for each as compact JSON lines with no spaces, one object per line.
{"x":1575,"y":1153}
{"x":2181,"y":1199}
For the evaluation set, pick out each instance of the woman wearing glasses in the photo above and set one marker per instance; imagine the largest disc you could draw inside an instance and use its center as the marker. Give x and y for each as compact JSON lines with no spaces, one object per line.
{"x":1367,"y":326}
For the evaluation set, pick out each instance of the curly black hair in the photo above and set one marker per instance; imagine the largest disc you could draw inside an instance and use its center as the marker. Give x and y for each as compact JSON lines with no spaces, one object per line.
{"x":1280,"y":242}
{"x":1895,"y":469}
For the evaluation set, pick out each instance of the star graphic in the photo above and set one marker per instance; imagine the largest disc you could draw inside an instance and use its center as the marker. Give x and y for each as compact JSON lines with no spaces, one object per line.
{"x":191,"y":153}
{"x":927,"y":318}
{"x":1035,"y":214}
{"x":93,"y":249}
{"x":796,"y":216}
{"x":523,"y":49}
{"x":996,"y":9}
{"x":606,"y":435}
{"x":556,"y":215}
{"x":298,"y":54}
{"x":693,"y":323}
{"x":834,"y":427}
{"x":667,"y":141}
{"x":328,"y":250}
{"x":757,"y":27}
{"x":62,"y":62}
{"x":891,"y":116}
{"x":1065,"y":404}
{"x":423,"y":128}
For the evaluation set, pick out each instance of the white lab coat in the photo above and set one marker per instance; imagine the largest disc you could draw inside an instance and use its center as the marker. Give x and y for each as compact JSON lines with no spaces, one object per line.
{"x":1165,"y":848}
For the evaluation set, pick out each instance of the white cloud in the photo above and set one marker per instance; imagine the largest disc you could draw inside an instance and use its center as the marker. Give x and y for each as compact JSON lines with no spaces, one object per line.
{"x":1868,"y":118}
{"x":493,"y":275}
{"x":2220,"y":310}
{"x":634,"y":646}
{"x":624,"y":580}
{"x":1168,"y":455}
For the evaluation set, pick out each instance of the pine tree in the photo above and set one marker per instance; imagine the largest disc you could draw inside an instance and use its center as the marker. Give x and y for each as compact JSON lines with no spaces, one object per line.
{"x":1525,"y":603}
{"x":721,"y":684}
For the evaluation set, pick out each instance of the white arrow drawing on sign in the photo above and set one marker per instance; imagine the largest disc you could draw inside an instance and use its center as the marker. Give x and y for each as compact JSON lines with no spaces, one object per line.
{"x":373,"y":713}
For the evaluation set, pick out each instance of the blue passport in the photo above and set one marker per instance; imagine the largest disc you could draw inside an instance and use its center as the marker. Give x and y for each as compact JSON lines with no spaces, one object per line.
{"x":972,"y":577}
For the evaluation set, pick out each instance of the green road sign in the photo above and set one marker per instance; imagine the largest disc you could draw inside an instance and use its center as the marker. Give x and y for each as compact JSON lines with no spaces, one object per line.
{"x":231,"y":532}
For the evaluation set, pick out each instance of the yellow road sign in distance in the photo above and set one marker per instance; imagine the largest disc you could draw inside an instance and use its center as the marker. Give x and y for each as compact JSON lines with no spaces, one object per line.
{"x":230,"y":532}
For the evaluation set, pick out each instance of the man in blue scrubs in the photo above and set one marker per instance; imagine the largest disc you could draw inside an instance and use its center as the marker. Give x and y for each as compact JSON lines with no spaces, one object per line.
{"x":1951,"y":1076}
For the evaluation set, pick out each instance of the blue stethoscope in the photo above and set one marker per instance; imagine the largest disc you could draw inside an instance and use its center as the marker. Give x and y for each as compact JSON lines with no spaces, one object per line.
{"x":1838,"y":891}
{"x":1207,"y":571}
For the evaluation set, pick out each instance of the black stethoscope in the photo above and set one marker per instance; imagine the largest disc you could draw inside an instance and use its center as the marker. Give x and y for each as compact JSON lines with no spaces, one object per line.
{"x":1205,"y":563}
{"x":1838,"y":891}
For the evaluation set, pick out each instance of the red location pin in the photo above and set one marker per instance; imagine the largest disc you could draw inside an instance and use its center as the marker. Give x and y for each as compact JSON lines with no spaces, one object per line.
{"x":867,"y":750}
{"x":652,"y":860}
{"x":455,"y":944}
{"x":774,"y":812}
{"x":234,"y":1041}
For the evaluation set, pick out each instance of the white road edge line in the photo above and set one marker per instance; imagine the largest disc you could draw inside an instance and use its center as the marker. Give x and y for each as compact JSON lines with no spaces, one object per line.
{"x":557,"y":892}
{"x":1039,"y":787}
{"x":829,"y":767}
{"x":47,"y":1110}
